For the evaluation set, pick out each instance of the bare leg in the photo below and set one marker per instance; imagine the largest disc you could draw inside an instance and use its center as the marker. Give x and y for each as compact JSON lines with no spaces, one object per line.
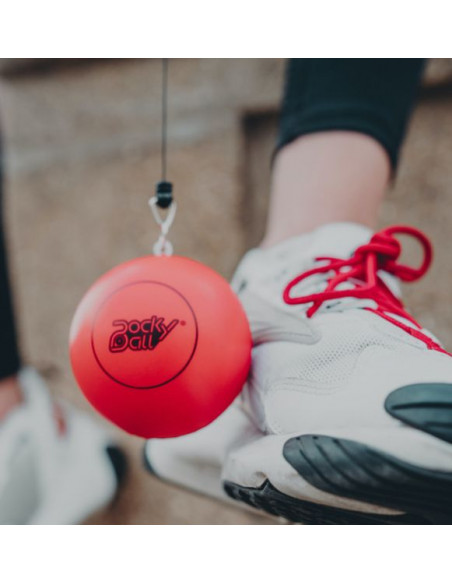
{"x":10,"y":395}
{"x":323,"y":178}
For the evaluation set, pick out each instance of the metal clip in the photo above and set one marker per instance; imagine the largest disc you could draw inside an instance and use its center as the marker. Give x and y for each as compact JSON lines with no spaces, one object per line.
{"x":163,"y":246}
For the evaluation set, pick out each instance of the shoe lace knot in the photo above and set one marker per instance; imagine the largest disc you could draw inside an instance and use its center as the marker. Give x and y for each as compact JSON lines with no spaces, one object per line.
{"x":360,"y":272}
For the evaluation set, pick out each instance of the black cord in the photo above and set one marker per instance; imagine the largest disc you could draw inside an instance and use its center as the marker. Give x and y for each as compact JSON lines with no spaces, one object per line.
{"x":164,"y":190}
{"x":164,"y":114}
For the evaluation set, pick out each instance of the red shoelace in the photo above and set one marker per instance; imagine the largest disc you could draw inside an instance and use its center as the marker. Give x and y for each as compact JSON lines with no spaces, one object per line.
{"x":381,"y":253}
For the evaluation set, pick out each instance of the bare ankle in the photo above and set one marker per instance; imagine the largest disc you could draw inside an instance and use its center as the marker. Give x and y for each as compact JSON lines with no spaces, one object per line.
{"x":322,"y":178}
{"x":10,"y":395}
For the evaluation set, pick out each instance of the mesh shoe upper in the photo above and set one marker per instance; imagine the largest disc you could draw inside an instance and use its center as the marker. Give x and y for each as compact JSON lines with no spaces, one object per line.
{"x":303,"y":355}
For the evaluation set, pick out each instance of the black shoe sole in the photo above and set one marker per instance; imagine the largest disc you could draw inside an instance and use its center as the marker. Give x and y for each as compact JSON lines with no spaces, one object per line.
{"x":119,"y":463}
{"x":355,"y":471}
{"x":267,"y":498}
{"x":426,"y":406}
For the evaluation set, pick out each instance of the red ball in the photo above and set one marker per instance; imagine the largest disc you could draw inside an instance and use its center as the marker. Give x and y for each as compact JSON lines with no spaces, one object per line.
{"x":160,"y":346}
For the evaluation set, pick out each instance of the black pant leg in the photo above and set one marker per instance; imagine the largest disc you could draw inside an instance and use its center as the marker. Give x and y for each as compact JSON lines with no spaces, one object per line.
{"x":370,"y":96}
{"x":9,"y":351}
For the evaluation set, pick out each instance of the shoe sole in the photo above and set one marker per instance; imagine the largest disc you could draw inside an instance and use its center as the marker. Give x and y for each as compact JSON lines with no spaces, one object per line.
{"x":426,"y":406}
{"x":268,"y":499}
{"x":352,"y":470}
{"x":119,"y":463}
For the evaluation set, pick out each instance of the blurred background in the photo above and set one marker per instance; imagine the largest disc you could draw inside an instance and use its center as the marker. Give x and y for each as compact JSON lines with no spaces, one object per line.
{"x":82,"y":155}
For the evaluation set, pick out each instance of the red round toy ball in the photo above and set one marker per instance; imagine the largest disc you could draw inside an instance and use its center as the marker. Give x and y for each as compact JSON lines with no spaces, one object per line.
{"x":160,"y":346}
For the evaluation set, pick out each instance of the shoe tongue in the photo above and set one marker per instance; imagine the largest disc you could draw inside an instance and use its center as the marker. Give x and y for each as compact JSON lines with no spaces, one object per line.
{"x":337,"y":240}
{"x":263,"y":275}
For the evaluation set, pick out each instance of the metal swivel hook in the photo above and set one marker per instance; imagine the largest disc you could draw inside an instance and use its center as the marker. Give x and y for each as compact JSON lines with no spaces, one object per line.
{"x":163,"y":246}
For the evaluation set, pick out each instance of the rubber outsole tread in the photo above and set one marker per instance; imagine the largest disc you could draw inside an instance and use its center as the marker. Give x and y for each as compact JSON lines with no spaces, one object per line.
{"x":425,"y":406}
{"x":268,"y":498}
{"x":356,"y":471}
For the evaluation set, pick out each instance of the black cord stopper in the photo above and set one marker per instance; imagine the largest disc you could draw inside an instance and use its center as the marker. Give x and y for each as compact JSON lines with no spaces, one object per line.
{"x":164,"y":194}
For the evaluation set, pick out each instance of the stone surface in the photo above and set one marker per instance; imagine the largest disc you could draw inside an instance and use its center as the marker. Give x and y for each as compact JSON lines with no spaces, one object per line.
{"x":82,"y":146}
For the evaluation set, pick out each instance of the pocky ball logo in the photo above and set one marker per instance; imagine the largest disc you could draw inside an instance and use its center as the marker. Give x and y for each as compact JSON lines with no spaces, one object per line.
{"x":142,"y":335}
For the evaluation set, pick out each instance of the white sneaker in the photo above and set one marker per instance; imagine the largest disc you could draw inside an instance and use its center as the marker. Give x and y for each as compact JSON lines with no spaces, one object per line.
{"x":349,"y":402}
{"x":57,"y":466}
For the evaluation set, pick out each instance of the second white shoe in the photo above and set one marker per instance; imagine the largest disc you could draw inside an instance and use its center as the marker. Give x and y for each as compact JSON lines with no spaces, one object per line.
{"x":347,"y":415}
{"x":57,"y":465}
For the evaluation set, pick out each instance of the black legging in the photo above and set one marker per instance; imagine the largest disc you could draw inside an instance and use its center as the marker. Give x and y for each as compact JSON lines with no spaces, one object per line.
{"x":370,"y":96}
